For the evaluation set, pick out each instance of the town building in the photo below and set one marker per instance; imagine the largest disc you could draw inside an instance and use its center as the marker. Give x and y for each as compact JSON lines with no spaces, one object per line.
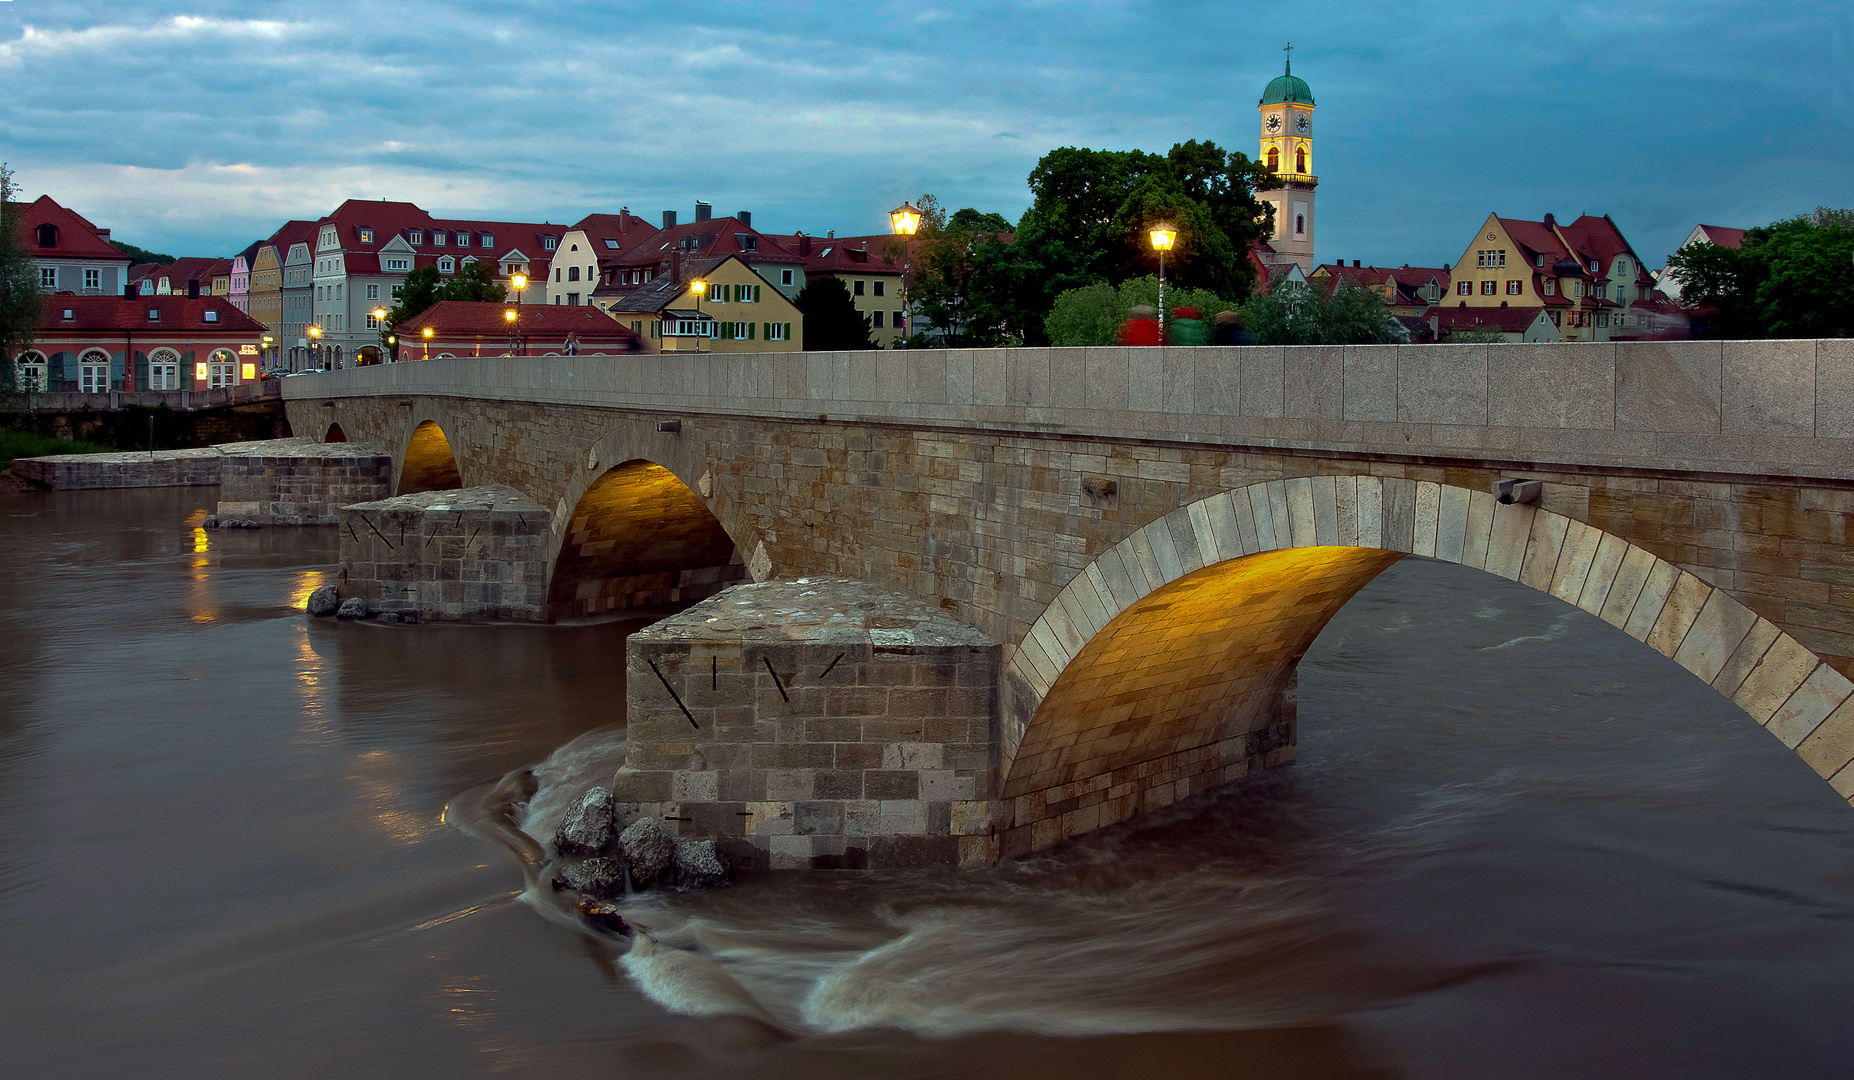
{"x":588,"y":256}
{"x":707,"y":237}
{"x":863,"y":265}
{"x":1718,"y":235}
{"x":69,"y":254}
{"x":294,"y":247}
{"x":183,"y":277}
{"x":364,"y":250}
{"x":95,"y":344}
{"x":1584,"y":276}
{"x":1407,"y":290}
{"x":468,"y":328}
{"x":239,"y":279}
{"x":735,"y":309}
{"x":1286,"y":148}
{"x":1513,"y":324}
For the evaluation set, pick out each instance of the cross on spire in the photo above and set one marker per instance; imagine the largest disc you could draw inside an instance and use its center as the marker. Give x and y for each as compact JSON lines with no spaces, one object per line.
{"x":1290,"y":57}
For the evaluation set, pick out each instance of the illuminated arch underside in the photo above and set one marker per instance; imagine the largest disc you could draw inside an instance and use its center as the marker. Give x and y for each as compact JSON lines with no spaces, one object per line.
{"x":429,"y":464}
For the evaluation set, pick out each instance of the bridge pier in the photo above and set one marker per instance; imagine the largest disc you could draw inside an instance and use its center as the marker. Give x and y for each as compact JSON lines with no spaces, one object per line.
{"x":465,"y":554}
{"x":300,"y":481}
{"x":816,"y":723}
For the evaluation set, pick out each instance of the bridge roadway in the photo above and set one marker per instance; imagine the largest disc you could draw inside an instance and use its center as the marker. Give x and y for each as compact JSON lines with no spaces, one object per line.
{"x":1154,"y":536}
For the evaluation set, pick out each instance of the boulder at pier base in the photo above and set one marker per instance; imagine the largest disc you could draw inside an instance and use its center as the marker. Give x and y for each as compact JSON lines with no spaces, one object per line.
{"x":324,"y":601}
{"x":649,"y":853}
{"x":588,"y":828}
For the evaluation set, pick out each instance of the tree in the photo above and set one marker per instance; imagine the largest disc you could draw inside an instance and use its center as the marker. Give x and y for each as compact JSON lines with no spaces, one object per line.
{"x":142,"y":255}
{"x":1093,"y":314}
{"x":1302,"y":314}
{"x":21,"y":304}
{"x":424,"y":287}
{"x":831,"y":319}
{"x":1792,"y":278}
{"x":954,"y":267}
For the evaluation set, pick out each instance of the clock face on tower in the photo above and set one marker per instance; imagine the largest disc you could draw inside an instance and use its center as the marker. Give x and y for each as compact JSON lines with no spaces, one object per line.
{"x":1301,"y":123}
{"x":1274,"y":122}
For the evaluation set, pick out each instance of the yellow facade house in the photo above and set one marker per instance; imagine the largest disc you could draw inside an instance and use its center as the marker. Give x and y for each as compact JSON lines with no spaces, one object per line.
{"x":711,"y":305}
{"x":1584,"y":277}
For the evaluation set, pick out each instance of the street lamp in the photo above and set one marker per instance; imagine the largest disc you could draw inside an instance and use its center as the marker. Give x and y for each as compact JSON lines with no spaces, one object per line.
{"x":509,"y":316}
{"x":426,"y":334}
{"x":1163,"y":236}
{"x":315,"y":346}
{"x":698,"y":287}
{"x":906,"y":220}
{"x":379,"y":317}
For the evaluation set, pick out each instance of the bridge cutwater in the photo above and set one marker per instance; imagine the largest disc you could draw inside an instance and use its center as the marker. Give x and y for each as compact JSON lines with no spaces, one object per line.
{"x":956,"y":606}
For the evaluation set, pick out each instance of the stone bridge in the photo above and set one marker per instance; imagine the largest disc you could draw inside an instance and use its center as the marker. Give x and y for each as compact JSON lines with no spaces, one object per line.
{"x":1149,"y":539}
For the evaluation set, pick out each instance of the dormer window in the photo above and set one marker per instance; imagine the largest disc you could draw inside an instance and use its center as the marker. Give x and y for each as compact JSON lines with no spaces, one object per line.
{"x":154,"y":314}
{"x":398,"y":264}
{"x":446,"y":264}
{"x":48,"y":235}
{"x":463,"y":239}
{"x":415,"y":237}
{"x":549,"y":243}
{"x":366,"y":236}
{"x":489,"y":240}
{"x":438,"y":238}
{"x":210,"y":316}
{"x":1538,"y":260}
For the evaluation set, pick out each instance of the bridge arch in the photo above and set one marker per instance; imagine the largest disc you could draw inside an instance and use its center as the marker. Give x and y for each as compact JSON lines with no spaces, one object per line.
{"x":428,"y":463}
{"x":639,"y":537}
{"x":334,"y":434}
{"x":1167,"y":666}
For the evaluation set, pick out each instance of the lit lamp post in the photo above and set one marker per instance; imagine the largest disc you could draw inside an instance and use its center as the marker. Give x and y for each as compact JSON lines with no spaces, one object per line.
{"x":265,"y":358}
{"x":315,"y":346}
{"x":520,"y":281}
{"x":426,"y":334}
{"x":509,"y":316}
{"x":698,"y":287}
{"x":906,"y":219}
{"x":379,"y":318}
{"x":1163,"y":236}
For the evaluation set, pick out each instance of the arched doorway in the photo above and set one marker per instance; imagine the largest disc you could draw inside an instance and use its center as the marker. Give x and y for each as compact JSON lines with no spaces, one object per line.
{"x":639,"y":538}
{"x":335,"y":434}
{"x":429,"y":464}
{"x":1168,"y":665}
{"x":366,"y":356}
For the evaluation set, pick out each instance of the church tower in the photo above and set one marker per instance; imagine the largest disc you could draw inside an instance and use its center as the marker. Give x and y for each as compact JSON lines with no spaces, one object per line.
{"x":1287,"y":148}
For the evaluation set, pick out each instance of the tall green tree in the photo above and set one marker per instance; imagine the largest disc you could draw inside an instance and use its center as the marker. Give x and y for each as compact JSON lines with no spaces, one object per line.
{"x":1301,"y":314}
{"x":1093,"y":314}
{"x":1792,"y":278}
{"x":954,"y":267}
{"x":21,"y":304}
{"x":424,"y":286}
{"x":831,"y":319}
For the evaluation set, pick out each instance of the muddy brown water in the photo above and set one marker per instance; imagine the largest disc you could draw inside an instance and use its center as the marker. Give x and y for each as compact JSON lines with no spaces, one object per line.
{"x":1517,"y":843}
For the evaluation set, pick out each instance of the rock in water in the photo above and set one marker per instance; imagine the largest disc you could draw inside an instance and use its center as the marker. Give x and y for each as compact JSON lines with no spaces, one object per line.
{"x":700,"y":865}
{"x":324,"y":601}
{"x":211,"y":522}
{"x":352,"y":608}
{"x":388,"y":617}
{"x":601,"y":878}
{"x":588,"y":827}
{"x":604,"y":913}
{"x":649,"y":852}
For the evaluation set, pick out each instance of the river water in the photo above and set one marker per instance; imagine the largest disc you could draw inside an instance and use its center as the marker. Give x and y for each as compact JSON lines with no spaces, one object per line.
{"x":1517,"y":843}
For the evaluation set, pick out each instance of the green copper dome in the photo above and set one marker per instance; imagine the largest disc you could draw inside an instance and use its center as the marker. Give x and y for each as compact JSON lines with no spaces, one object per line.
{"x":1287,"y":88}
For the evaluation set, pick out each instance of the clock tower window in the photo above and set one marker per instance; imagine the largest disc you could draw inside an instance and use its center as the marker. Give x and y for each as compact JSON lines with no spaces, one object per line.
{"x":1300,"y":160}
{"x":1274,"y":159}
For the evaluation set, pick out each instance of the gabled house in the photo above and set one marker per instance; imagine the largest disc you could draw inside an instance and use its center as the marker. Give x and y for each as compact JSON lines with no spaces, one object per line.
{"x":468,"y":328}
{"x":735,"y":309}
{"x":1514,"y":324}
{"x":1583,"y":275}
{"x":1718,"y":235}
{"x":296,"y":296}
{"x":96,"y":344}
{"x":1407,"y":290}
{"x":192,"y":277}
{"x":588,"y":256}
{"x":68,"y":253}
{"x":873,"y":281}
{"x":707,"y":237}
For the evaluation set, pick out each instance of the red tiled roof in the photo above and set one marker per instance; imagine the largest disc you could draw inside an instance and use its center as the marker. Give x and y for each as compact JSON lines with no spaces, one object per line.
{"x":462,"y":318}
{"x":724,"y":234}
{"x":116,"y":313}
{"x":77,"y":237}
{"x":1724,"y":235}
{"x":838,"y":257}
{"x":1510,"y":320}
{"x":390,"y":219}
{"x":181,"y":271}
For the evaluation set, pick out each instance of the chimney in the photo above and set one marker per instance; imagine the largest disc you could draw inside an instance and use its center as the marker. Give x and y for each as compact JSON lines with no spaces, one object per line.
{"x":831,"y":235}
{"x":745,"y":217}
{"x":703,"y":211}
{"x":1356,"y":263}
{"x":675,"y":266}
{"x":804,"y":245}
{"x":193,"y":288}
{"x":1550,"y":221}
{"x":669,"y":219}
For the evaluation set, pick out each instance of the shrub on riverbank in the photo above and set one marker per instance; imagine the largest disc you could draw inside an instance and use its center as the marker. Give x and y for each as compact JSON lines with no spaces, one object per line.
{"x":15,"y":443}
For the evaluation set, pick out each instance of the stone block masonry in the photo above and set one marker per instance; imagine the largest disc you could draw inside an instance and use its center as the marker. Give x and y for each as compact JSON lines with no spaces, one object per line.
{"x":816,"y":723}
{"x":465,"y":554}
{"x":300,"y":481}
{"x":133,"y":469}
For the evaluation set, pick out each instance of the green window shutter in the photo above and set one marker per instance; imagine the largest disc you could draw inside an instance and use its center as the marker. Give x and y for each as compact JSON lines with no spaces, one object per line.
{"x":769,"y":331}
{"x":788,"y":331}
{"x":752,"y":330}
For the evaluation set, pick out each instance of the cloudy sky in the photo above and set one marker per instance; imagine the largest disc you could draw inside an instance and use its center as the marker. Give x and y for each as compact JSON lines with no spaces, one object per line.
{"x":196,"y":128}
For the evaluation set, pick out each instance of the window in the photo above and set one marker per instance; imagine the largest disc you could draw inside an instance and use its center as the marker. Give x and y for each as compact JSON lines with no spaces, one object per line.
{"x":463,"y":239}
{"x":1464,"y":288}
{"x":1600,"y":290}
{"x":1602,"y":318}
{"x":93,"y":372}
{"x":93,"y":279}
{"x":1274,"y":159}
{"x":489,"y":240}
{"x":1300,"y":159}
{"x":366,"y":236}
{"x":1488,"y":287}
{"x":446,"y":264}
{"x":154,"y":314}
{"x":48,"y":277}
{"x":572,"y":299}
{"x":373,"y":292}
{"x":556,"y":273}
{"x":48,"y":235}
{"x":164,"y":370}
{"x":785,"y":277}
{"x":611,"y":244}
{"x":1593,"y":266}
{"x":438,"y":238}
{"x":415,"y":237}
{"x":572,"y":273}
{"x":1551,"y":287}
{"x":397,"y":289}
{"x":879,"y":286}
{"x":209,"y":316}
{"x":875,"y":320}
{"x":221,"y":369}
{"x":899,"y":321}
{"x":70,"y":314}
{"x":1622,"y":267}
{"x":1579,"y":286}
{"x":30,"y":368}
{"x":1512,"y":288}
{"x":1555,"y":319}
{"x":778,"y":331}
{"x":549,"y":243}
{"x":372,"y":323}
{"x":1538,"y":260}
